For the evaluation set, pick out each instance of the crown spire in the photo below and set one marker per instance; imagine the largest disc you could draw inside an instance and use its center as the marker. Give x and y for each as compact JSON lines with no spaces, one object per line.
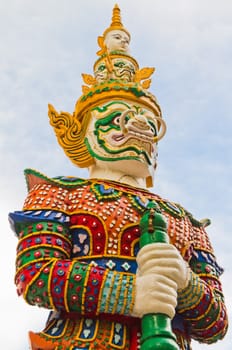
{"x":116,"y":22}
{"x":116,"y":17}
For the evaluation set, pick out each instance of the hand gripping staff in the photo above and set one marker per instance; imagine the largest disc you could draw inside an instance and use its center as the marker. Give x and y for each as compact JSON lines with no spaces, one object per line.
{"x":156,"y":328}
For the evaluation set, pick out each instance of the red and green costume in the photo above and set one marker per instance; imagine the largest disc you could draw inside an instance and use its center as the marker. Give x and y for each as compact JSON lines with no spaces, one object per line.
{"x":78,"y":241}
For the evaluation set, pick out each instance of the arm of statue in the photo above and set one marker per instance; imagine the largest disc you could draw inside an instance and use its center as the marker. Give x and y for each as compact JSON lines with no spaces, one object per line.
{"x":201,"y":302}
{"x":46,"y":275}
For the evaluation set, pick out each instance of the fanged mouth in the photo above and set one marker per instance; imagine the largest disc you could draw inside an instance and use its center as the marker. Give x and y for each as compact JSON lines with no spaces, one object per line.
{"x":126,"y":74}
{"x":138,"y":140}
{"x":121,"y":138}
{"x":118,"y":138}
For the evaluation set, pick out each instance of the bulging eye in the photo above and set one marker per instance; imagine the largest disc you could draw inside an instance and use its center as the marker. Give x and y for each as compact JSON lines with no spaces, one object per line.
{"x":116,"y":119}
{"x":101,"y":68}
{"x":119,"y":64}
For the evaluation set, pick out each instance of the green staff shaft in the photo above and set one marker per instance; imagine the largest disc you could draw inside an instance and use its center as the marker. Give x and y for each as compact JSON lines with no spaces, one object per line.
{"x":156,"y":328}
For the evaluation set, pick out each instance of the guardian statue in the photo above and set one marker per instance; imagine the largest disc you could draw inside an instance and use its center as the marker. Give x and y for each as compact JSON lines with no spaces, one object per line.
{"x":104,"y":254}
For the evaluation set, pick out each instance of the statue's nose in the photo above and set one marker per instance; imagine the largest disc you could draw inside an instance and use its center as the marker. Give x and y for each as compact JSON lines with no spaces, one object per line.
{"x":140,"y":121}
{"x":136,"y":122}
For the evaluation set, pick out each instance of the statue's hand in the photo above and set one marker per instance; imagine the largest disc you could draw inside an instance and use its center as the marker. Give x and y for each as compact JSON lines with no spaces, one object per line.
{"x":161,"y":272}
{"x":155,"y":293}
{"x":165,"y":260}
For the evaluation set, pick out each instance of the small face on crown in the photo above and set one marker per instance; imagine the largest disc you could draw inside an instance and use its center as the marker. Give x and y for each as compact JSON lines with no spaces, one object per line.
{"x":122,"y":133}
{"x":117,"y":40}
{"x":122,"y":69}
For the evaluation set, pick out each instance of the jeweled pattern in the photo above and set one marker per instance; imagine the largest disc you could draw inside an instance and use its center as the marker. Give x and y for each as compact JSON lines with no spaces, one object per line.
{"x":77,"y":255}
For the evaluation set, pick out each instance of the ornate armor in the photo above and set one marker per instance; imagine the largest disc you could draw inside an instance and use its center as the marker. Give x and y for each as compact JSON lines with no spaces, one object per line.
{"x":78,"y":241}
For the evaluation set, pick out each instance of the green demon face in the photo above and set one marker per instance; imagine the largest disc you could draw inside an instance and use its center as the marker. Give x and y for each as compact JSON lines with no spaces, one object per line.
{"x":123,"y":69}
{"x":123,"y":133}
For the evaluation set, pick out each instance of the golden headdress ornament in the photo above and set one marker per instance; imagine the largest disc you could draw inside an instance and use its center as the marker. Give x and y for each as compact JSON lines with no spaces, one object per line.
{"x":116,"y":23}
{"x":110,"y":82}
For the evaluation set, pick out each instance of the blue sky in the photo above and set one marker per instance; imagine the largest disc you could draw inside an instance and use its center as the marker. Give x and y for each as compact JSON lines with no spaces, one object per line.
{"x":46,"y":45}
